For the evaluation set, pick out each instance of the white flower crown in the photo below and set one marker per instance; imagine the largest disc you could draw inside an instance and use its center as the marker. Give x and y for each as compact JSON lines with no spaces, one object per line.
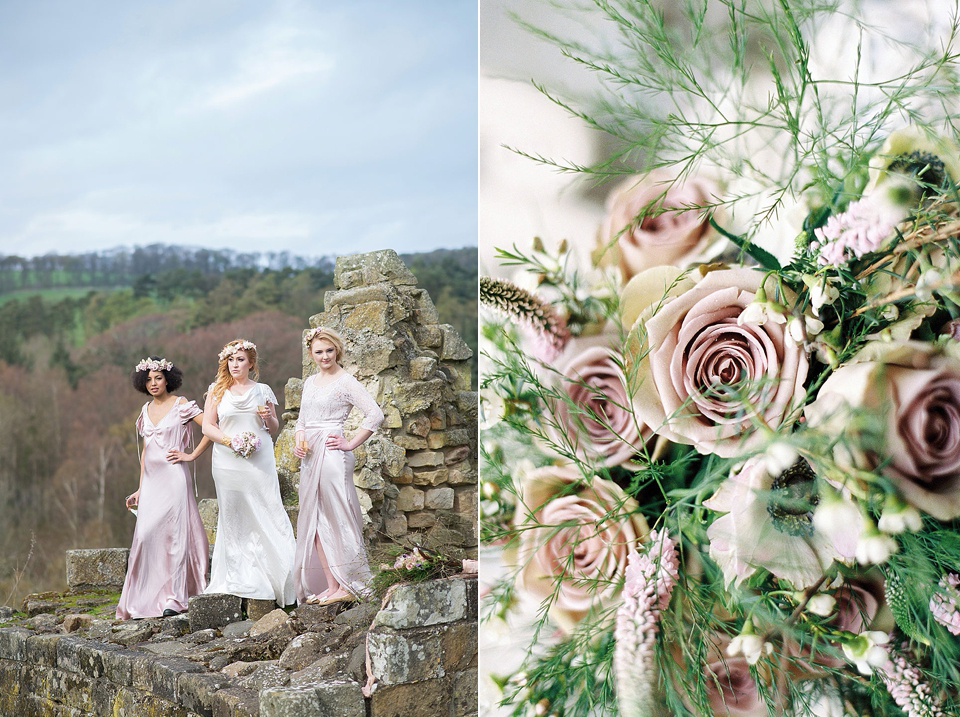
{"x":231,"y":349}
{"x":154,"y":365}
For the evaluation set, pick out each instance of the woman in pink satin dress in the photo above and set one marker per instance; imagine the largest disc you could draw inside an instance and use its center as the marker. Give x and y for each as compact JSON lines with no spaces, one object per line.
{"x":168,"y":557}
{"x":331,"y":561}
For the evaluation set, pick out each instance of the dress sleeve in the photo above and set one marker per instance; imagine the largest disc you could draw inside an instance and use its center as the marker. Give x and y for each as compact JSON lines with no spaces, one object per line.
{"x":140,"y":421}
{"x":188,"y":411}
{"x":301,"y":423}
{"x":372,"y":413}
{"x":268,"y":395}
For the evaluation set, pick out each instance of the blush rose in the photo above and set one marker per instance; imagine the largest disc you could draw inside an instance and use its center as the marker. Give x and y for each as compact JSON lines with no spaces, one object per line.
{"x":703,"y":369}
{"x":915,"y":388}
{"x":575,"y":539}
{"x":594,"y":415}
{"x":655,"y":220}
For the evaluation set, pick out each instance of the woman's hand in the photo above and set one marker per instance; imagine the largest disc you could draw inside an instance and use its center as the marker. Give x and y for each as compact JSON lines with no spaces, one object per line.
{"x":175,"y":456}
{"x":133,"y":500}
{"x":338,"y":443}
{"x":299,"y":443}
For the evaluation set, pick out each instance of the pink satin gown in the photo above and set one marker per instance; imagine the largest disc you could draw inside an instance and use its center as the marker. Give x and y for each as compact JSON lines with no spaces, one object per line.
{"x":168,"y":557}
{"x":329,"y":508}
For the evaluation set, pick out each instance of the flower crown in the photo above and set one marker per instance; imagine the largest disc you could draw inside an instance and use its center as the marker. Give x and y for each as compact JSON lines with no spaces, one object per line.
{"x":148,"y":364}
{"x":232,"y":348}
{"x":313,"y":333}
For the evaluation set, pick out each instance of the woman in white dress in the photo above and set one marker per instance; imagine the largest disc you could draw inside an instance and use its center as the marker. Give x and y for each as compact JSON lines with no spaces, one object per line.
{"x":331,"y":561}
{"x":253,"y":553}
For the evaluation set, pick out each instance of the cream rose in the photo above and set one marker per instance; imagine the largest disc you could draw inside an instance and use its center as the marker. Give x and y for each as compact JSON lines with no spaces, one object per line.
{"x":914,"y":388}
{"x":594,"y":415}
{"x":575,"y":535}
{"x":704,"y":369}
{"x":655,"y":220}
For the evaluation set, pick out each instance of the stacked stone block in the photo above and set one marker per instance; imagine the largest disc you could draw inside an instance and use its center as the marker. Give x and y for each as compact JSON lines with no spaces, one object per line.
{"x":417,"y":475}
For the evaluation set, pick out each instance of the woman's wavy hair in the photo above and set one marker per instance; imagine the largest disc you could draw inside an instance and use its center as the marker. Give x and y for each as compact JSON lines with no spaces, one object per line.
{"x":224,"y":379}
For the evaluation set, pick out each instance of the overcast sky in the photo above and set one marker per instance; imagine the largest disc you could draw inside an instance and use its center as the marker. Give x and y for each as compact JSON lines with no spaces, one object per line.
{"x":317,"y":126}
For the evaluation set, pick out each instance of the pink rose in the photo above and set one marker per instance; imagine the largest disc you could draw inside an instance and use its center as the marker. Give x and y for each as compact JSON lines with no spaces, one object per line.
{"x":704,"y":369}
{"x":575,"y":535}
{"x":915,"y":388}
{"x":654,"y":222}
{"x":595,"y":415}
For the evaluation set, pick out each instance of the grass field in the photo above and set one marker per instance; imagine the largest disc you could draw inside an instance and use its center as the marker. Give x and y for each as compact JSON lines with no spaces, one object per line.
{"x":54,"y":295}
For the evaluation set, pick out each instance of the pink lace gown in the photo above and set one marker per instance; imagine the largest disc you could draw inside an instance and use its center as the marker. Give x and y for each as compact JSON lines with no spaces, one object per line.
{"x":329,"y":508}
{"x":168,"y":557}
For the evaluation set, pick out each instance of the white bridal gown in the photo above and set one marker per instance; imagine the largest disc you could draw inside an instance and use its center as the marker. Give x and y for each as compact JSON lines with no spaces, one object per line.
{"x":253,"y":553}
{"x":329,"y":509}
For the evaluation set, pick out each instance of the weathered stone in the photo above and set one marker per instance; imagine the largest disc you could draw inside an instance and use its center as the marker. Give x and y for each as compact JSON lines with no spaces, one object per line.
{"x":430,"y":477}
{"x":461,"y":476}
{"x":196,"y":690}
{"x":465,"y":697}
{"x":162,"y":674}
{"x":374,"y":267}
{"x":118,"y":666}
{"x":454,"y":347}
{"x":391,"y":417}
{"x":343,"y":698}
{"x":100,"y":569}
{"x":283,"y":450}
{"x":417,"y":396}
{"x":373,"y":316}
{"x":456,"y":455}
{"x":235,"y":702}
{"x":256,"y":609}
{"x":422,"y":604}
{"x":240,"y":669}
{"x":292,"y":392}
{"x":209,"y":512}
{"x":373,"y":355}
{"x":238,"y":629}
{"x":213,"y":610}
{"x":302,"y":651}
{"x":369,"y":479}
{"x":436,"y":439}
{"x":418,"y":426}
{"x":395,"y":526}
{"x":410,"y":498}
{"x":421,"y":459}
{"x":439,"y":498}
{"x":13,"y":643}
{"x":407,"y":656}
{"x":460,"y":647}
{"x":410,"y":443}
{"x":6,"y":612}
{"x":423,"y":699}
{"x":466,"y":500}
{"x":405,"y":478}
{"x":268,"y":622}
{"x":170,"y":648}
{"x":292,"y":701}
{"x":426,"y":519}
{"x":267,"y":675}
{"x":428,"y":335}
{"x":44,"y":622}
{"x":293,"y":513}
{"x":72,"y":623}
{"x":358,"y":617}
{"x":422,"y":368}
{"x":132,"y":633}
{"x":383,"y":452}
{"x":326,"y":667}
{"x":383,"y":293}
{"x":42,"y":650}
{"x":289,"y":487}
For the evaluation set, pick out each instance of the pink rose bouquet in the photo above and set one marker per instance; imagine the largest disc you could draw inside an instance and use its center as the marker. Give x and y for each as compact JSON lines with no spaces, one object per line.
{"x":245,"y":444}
{"x":741,"y":496}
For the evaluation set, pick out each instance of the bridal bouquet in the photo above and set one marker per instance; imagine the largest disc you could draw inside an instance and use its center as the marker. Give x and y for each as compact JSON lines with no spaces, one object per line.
{"x":245,"y":444}
{"x":728,"y":472}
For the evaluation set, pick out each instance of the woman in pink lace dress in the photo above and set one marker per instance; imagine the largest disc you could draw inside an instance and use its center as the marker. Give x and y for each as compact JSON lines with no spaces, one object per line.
{"x":168,"y":557}
{"x":331,"y":561}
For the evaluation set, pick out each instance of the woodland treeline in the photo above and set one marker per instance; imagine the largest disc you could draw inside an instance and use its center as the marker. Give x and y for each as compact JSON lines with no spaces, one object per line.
{"x":68,"y":456}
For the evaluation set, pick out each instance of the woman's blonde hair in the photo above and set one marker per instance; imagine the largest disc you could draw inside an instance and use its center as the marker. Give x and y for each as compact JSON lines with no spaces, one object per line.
{"x":330,"y":335}
{"x":224,"y":379}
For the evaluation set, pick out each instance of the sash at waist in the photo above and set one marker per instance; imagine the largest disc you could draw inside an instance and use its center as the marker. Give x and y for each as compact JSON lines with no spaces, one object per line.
{"x":324,"y":426}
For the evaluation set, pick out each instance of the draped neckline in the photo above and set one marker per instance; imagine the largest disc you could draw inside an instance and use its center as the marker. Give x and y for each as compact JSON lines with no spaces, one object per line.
{"x":155,"y":424}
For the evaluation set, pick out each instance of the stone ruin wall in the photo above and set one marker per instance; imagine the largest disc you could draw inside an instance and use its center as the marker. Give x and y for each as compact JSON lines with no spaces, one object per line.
{"x":417,"y":475}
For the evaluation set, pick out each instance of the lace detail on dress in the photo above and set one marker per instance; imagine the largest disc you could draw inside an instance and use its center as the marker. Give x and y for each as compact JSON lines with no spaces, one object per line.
{"x":334,"y":401}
